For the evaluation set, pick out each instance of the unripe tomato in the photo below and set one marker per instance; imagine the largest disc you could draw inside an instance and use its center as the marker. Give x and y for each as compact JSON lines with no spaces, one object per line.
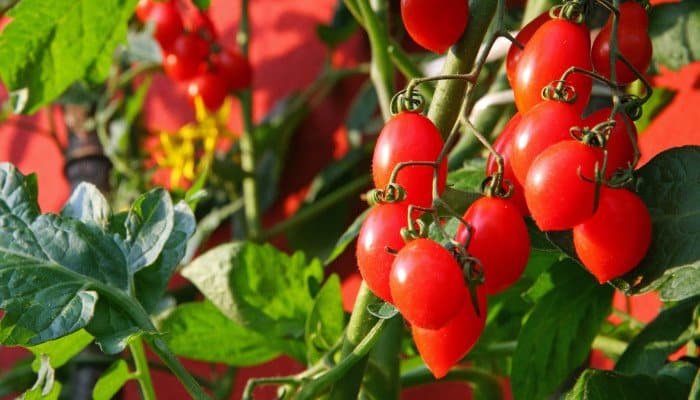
{"x":499,"y":240}
{"x":167,"y":21}
{"x":503,"y":146}
{"x":558,"y":198}
{"x":380,"y":231}
{"x":515,"y":52}
{"x":435,"y":25}
{"x":441,"y":349}
{"x":233,"y":67}
{"x":620,"y":149}
{"x":427,"y":284}
{"x":409,"y":136}
{"x":554,"y":48}
{"x":211,"y":87}
{"x":616,"y":238}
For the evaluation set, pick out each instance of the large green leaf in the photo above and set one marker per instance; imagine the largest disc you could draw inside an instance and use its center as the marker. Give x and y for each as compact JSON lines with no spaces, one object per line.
{"x":111,"y":381}
{"x":673,"y":29}
{"x":326,"y":321}
{"x":670,"y":187}
{"x":59,"y":274}
{"x":347,"y":237}
{"x":670,"y":330}
{"x":261,"y":288}
{"x":200,"y":331}
{"x":60,"y":351}
{"x":557,"y":335}
{"x":596,"y":384}
{"x":50,"y":45}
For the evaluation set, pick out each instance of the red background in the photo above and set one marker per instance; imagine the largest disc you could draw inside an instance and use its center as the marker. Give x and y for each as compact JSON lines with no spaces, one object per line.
{"x":287,"y":56}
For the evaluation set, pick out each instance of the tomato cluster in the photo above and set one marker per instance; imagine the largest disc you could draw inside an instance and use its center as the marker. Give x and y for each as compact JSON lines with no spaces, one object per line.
{"x":192,"y":54}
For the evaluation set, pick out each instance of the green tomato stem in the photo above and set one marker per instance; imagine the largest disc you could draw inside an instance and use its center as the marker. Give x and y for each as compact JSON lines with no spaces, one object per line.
{"x":159,"y":347}
{"x":142,"y":373}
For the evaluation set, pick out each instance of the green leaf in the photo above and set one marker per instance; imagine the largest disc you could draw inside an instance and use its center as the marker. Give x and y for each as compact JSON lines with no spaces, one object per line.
{"x":660,"y":98}
{"x":148,"y":227}
{"x":669,"y":187}
{"x":596,"y":384}
{"x":557,"y":335}
{"x":202,"y":4}
{"x":200,"y":331}
{"x":468,"y":178}
{"x":347,"y":237}
{"x":111,"y":381}
{"x":87,"y":204}
{"x":49,"y":45}
{"x":341,"y":27}
{"x":60,"y":351}
{"x":670,"y":330}
{"x":260,"y":287}
{"x":45,"y":387}
{"x":326,"y":321}
{"x":673,"y":30}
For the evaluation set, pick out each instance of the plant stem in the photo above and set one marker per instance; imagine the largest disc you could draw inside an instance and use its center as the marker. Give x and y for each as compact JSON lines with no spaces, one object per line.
{"x":248,"y":164}
{"x":163,"y":351}
{"x":142,"y":373}
{"x":609,"y":345}
{"x":381,"y":69}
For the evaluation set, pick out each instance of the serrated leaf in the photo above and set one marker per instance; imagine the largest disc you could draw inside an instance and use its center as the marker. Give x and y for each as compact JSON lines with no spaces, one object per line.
{"x":200,"y":331}
{"x":673,"y":29}
{"x":326,"y":321}
{"x":61,"y":350}
{"x":670,"y":330}
{"x":347,"y":237}
{"x":111,"y":381}
{"x":669,"y":185}
{"x":259,"y":287}
{"x":87,"y":204}
{"x":49,"y":45}
{"x":148,"y":227}
{"x":557,"y":335}
{"x":468,"y":178}
{"x":596,"y":384}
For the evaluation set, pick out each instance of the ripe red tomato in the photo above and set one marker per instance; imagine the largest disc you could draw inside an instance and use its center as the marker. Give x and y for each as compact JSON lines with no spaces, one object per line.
{"x":558,"y":198}
{"x":515,"y":52}
{"x":617,"y":237}
{"x":199,"y":23}
{"x":427,"y":284}
{"x":435,"y":25}
{"x":409,"y":136}
{"x":185,"y":57}
{"x":168,"y":23}
{"x":143,"y":8}
{"x":620,"y":149}
{"x":441,"y":349}
{"x":503,"y":146}
{"x":632,"y":41}
{"x":211,"y":87}
{"x":235,"y":68}
{"x":499,"y":240}
{"x":381,"y":230}
{"x":555,"y":47}
{"x":545,"y":124}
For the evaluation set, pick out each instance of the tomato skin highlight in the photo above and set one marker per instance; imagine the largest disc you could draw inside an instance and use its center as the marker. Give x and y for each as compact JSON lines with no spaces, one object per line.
{"x":617,"y":237}
{"x":211,"y":87}
{"x":427,"y":284}
{"x":555,"y":47}
{"x":619,"y":146}
{"x":409,"y":136}
{"x":381,"y":229}
{"x":435,"y":25}
{"x":499,"y":240}
{"x":544,"y":125}
{"x":558,"y":198}
{"x":185,"y":57}
{"x":503,"y":146}
{"x":515,"y":52}
{"x":441,"y":349}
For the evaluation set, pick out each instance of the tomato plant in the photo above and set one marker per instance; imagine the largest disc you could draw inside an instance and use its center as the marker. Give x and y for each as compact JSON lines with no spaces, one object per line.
{"x":340,"y":226}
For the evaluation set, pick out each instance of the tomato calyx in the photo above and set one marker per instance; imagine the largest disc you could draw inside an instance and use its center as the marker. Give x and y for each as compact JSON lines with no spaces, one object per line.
{"x":406,"y":100}
{"x":572,"y":10}
{"x":472,"y":269}
{"x":560,"y":90}
{"x":392,"y":193}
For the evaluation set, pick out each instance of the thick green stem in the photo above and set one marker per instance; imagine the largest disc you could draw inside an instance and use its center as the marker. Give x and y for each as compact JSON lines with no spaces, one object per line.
{"x":142,"y":374}
{"x":449,"y":94}
{"x":383,"y":369}
{"x":163,"y":351}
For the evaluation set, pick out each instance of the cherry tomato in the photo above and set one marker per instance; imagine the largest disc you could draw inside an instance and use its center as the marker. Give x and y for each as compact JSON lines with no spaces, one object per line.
{"x":545,"y":124}
{"x":620,"y":149}
{"x":499,"y":240}
{"x":435,"y":25}
{"x":143,"y":8}
{"x":168,"y":23}
{"x":427,"y":284}
{"x":409,"y":136}
{"x":617,"y":237}
{"x":211,"y":87}
{"x":380,"y":231}
{"x":633,"y":43}
{"x":443,"y":348}
{"x":234,"y":68}
{"x":555,"y":47}
{"x":199,"y":23}
{"x":185,"y":57}
{"x":515,"y":52}
{"x":503,"y":146}
{"x":558,"y":198}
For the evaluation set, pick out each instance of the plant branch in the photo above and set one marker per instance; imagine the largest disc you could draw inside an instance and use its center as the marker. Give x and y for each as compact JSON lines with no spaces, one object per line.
{"x":142,"y":373}
{"x":163,"y":351}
